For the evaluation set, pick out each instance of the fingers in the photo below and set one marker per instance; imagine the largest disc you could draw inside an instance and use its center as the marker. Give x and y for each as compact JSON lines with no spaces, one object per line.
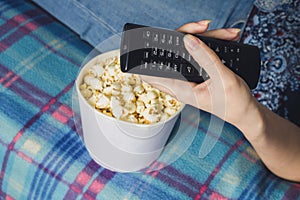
{"x":195,"y":27}
{"x":205,"y":57}
{"x":202,"y":26}
{"x":224,"y":34}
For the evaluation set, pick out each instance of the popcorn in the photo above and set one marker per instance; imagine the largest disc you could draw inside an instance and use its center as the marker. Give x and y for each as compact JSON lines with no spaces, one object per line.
{"x":108,"y":90}
{"x":87,"y":79}
{"x":86,"y":92}
{"x":126,"y":88}
{"x":117,"y":109}
{"x":130,"y":107}
{"x":140,"y":106}
{"x":130,"y":118}
{"x":170,"y":111}
{"x":151,"y":115}
{"x":170,"y":101}
{"x":95,"y":84}
{"x":103,"y":101}
{"x":96,"y":70}
{"x":125,"y":96}
{"x":138,"y":90}
{"x":128,"y":96}
{"x":152,"y":94}
{"x":92,"y":100}
{"x":116,"y":86}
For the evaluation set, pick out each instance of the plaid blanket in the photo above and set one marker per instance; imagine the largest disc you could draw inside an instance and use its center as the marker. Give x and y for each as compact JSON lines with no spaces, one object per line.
{"x":41,"y":152}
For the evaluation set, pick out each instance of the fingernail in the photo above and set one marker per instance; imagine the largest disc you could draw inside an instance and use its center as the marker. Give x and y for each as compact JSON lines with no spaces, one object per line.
{"x":191,"y":42}
{"x":234,"y":30}
{"x":204,"y":22}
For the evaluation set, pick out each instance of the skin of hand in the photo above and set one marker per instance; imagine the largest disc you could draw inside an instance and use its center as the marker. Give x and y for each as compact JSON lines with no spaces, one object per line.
{"x":214,"y":95}
{"x":227,"y":96}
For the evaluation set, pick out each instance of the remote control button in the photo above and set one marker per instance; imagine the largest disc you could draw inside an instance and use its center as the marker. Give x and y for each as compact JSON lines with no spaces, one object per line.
{"x":177,"y":41}
{"x":208,"y":44}
{"x":204,"y":75}
{"x":230,"y":64}
{"x":237,"y":50}
{"x":147,"y":34}
{"x":161,"y":66}
{"x":169,"y":54}
{"x":155,"y":38}
{"x":226,"y":49}
{"x":188,"y":70}
{"x":161,"y":53}
{"x":200,"y":72}
{"x":125,"y":47}
{"x":170,"y":40}
{"x":177,"y":55}
{"x":144,"y":65}
{"x":168,"y":66}
{"x":154,"y":52}
{"x":146,"y":55}
{"x":147,"y":44}
{"x":163,"y":38}
{"x":175,"y":67}
{"x":153,"y":65}
{"x":189,"y":58}
{"x":223,"y":61}
{"x":183,"y":56}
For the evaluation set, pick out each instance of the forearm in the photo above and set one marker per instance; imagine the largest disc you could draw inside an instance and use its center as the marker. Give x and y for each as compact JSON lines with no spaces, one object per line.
{"x":276,"y":141}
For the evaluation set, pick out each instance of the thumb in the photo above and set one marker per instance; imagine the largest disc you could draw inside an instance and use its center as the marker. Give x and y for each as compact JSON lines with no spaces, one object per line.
{"x":205,"y":57}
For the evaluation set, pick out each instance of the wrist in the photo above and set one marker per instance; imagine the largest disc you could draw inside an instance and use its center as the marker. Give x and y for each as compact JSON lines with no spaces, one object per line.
{"x":253,"y":125}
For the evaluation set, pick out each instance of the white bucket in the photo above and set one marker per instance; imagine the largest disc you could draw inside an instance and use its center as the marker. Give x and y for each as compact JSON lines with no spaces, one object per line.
{"x":115,"y":144}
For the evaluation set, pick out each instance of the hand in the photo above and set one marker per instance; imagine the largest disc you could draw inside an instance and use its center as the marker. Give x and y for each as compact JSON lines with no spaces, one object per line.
{"x":224,"y":94}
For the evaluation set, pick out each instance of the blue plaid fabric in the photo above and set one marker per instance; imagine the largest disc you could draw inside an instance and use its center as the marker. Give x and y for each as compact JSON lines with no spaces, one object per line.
{"x":41,"y":152}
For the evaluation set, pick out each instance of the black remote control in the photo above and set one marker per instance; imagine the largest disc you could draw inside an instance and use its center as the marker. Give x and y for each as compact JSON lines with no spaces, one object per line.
{"x":161,"y":52}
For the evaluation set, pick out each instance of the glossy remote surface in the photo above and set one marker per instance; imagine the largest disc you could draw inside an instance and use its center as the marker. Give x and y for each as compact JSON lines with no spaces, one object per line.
{"x":161,"y":52}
